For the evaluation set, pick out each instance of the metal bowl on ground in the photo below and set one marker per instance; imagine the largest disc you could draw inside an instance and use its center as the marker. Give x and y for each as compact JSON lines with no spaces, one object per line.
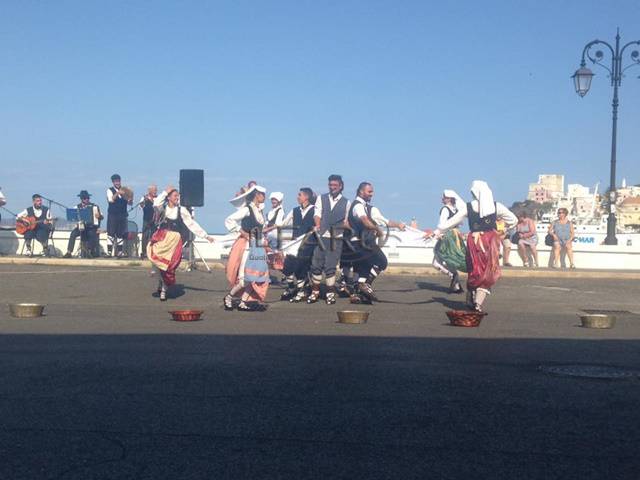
{"x":598,"y":320}
{"x":186,"y":315}
{"x":353,"y":316}
{"x":465,"y":318}
{"x":26,"y":310}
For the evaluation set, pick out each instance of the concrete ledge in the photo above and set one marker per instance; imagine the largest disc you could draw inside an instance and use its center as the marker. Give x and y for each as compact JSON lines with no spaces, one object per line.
{"x":410,"y":270}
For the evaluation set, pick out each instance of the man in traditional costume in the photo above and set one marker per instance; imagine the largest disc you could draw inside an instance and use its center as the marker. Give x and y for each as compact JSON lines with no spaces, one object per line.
{"x":43,"y":225}
{"x":298,"y":261}
{"x":247,"y":269}
{"x":449,"y":253}
{"x":330,"y":214}
{"x":148,"y":213}
{"x":363,"y":250}
{"x":483,"y":243}
{"x":165,"y":247}
{"x":86,"y":230}
{"x":116,"y":217}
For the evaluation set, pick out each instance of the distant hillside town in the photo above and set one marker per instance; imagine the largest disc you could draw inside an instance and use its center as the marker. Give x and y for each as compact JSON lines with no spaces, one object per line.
{"x":586,"y":205}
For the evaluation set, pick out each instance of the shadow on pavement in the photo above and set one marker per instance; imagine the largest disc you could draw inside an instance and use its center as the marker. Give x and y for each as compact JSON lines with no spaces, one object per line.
{"x":249,"y":406}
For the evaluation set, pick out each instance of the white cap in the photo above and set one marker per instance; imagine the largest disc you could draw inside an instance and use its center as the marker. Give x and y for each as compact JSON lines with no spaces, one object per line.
{"x":277,"y":195}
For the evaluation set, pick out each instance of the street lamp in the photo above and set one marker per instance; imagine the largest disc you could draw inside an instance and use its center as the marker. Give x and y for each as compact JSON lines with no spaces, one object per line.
{"x":582,"y":82}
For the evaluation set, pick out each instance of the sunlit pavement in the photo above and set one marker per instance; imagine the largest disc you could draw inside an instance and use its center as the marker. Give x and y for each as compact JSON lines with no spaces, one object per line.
{"x":106,"y":386}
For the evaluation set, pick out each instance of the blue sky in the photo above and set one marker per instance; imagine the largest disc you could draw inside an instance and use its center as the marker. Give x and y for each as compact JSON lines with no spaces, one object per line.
{"x":413,"y":96}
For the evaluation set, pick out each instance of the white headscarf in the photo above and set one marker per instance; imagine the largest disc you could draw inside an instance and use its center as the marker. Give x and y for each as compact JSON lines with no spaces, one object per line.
{"x":452,"y":194}
{"x":484,"y":196}
{"x":277,"y":195}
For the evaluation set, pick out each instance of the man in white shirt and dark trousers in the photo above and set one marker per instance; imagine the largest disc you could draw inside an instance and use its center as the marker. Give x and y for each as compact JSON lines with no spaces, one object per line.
{"x":330,"y":215}
{"x":363,"y":251}
{"x":42,"y":228}
{"x":116,"y":217}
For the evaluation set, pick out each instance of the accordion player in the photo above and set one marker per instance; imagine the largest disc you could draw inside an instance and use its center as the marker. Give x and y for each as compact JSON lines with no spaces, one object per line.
{"x":88,"y":218}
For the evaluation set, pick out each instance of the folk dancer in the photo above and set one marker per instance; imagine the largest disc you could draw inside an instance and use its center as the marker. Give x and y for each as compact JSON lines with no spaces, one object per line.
{"x":449,"y":253}
{"x":148,"y":222}
{"x":483,"y":247}
{"x":43,"y":225}
{"x":117,"y":217}
{"x":247,"y":270}
{"x":367,"y":257}
{"x":165,"y":246}
{"x":275,"y":216}
{"x":297,"y":264}
{"x":87,"y":231}
{"x":330,"y":215}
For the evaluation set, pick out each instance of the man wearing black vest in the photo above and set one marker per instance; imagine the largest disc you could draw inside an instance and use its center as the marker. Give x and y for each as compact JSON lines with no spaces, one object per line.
{"x":364,"y":253}
{"x":148,"y":223}
{"x":330,"y":215}
{"x":87,"y":229}
{"x":43,"y":225}
{"x":296,"y":267}
{"x":117,"y":217}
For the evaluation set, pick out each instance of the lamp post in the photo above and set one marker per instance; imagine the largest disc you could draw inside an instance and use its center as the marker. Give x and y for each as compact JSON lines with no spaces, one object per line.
{"x":582,"y":82}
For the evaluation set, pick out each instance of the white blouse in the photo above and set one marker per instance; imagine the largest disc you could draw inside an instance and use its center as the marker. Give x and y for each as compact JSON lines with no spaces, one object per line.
{"x":172,"y":214}
{"x":502,"y":212}
{"x":233,"y":221}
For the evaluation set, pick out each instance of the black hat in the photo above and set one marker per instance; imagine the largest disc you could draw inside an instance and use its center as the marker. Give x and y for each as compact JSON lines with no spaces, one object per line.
{"x":84,"y":194}
{"x":115,"y":176}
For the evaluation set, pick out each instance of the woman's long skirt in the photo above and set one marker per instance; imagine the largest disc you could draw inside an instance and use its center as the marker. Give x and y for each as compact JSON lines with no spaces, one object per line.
{"x":483,"y":259}
{"x":451,"y":249}
{"x":165,"y":252}
{"x":247,"y":267}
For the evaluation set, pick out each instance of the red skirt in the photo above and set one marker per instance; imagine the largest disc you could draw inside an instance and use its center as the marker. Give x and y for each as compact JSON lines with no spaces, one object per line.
{"x":165,"y":252}
{"x":483,"y":259}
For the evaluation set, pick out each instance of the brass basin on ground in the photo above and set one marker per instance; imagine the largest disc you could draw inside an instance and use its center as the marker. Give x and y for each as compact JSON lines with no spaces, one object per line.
{"x":26,"y":310}
{"x":598,"y":320}
{"x":353,"y":316}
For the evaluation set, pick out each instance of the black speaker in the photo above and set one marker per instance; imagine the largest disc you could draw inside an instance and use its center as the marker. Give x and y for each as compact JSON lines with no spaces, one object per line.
{"x":192,"y":188}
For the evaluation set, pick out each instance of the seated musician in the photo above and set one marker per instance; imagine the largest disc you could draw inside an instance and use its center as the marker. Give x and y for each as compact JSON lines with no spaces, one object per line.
{"x":86,"y":230}
{"x":37,"y":218}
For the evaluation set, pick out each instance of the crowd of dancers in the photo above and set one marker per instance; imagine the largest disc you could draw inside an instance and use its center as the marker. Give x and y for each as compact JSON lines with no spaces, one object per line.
{"x":330,"y":240}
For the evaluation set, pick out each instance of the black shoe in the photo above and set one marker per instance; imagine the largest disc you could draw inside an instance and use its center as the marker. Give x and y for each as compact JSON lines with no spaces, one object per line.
{"x":67,"y":255}
{"x":228,"y":302}
{"x":288,"y":294}
{"x":456,"y":288}
{"x":366,"y":291}
{"x":330,"y":298}
{"x":313,"y":297}
{"x":344,"y":291}
{"x":300,"y":296}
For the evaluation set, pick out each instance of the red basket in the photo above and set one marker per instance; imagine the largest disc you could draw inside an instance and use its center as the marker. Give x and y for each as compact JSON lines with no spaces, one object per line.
{"x":186,"y":315}
{"x":465,"y":318}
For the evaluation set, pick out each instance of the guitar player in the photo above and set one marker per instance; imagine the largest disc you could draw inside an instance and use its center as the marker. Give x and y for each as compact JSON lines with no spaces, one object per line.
{"x":40,"y":232}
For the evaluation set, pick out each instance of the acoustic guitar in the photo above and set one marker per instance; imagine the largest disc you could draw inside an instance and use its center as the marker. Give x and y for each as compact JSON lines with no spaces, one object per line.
{"x":26,"y":224}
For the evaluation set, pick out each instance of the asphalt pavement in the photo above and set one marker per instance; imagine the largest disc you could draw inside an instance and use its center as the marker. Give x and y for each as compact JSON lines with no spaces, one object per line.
{"x":106,"y":386}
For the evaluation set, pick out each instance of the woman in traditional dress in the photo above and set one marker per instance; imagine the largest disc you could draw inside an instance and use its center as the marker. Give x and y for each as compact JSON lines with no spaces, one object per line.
{"x":483,"y":243}
{"x":247,"y":270}
{"x":449,"y":254}
{"x":165,"y":247}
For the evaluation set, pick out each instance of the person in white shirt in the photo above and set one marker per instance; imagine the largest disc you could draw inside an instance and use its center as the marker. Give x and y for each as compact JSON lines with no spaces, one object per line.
{"x":165,"y":247}
{"x":297,"y":264}
{"x":362,"y":249}
{"x":330,"y":216}
{"x":274,"y":219}
{"x":483,"y":243}
{"x":38,"y":220}
{"x":117,"y":223}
